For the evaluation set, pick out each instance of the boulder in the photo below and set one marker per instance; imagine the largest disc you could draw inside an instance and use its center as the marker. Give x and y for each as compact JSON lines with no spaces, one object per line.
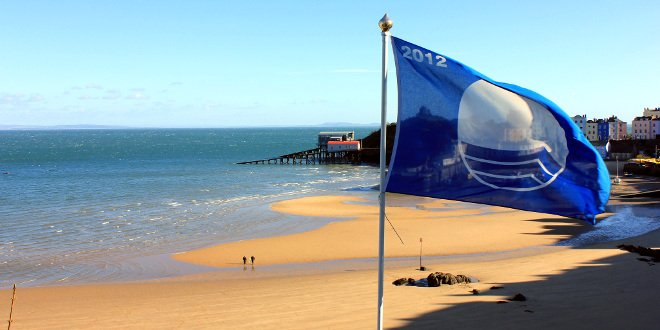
{"x":434,"y":279}
{"x":404,"y":281}
{"x":518,"y":297}
{"x":463,"y":279}
{"x":439,"y":278}
{"x":449,"y":279}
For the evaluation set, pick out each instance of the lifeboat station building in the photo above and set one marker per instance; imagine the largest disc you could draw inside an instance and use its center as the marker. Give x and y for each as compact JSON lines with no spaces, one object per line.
{"x":338,"y":141}
{"x":336,"y":146}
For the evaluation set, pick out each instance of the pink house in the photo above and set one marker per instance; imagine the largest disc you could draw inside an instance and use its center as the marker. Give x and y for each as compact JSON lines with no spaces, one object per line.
{"x":641,"y":129}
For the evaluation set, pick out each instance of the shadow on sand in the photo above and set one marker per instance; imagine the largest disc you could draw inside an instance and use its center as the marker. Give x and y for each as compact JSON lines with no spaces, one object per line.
{"x":562,"y":226}
{"x":619,"y":292}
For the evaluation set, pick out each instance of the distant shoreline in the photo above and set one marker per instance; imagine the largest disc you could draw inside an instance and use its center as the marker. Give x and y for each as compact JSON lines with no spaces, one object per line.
{"x":102,"y":127}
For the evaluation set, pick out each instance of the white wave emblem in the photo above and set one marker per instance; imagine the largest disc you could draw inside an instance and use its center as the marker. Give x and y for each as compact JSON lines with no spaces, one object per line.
{"x":508,"y":141}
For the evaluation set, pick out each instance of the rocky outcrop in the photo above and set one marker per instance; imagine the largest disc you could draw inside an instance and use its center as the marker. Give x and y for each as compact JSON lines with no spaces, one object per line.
{"x":642,"y":251}
{"x":439,"y":278}
{"x":370,"y":152}
{"x":404,"y":281}
{"x":435,"y":279}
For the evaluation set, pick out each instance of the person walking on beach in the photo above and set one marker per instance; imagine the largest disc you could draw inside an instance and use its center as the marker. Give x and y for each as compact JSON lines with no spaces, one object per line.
{"x":252,"y":259}
{"x":245,"y":260}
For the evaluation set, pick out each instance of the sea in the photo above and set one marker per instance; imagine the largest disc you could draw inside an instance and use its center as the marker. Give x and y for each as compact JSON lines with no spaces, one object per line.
{"x":104,"y":205}
{"x":79,"y":206}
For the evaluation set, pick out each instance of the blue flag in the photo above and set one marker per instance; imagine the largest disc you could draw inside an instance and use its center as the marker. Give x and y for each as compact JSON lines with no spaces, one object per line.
{"x":462,"y":136}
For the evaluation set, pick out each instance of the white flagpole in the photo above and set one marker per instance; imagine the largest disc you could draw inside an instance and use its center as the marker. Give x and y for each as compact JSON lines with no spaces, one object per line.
{"x":385,"y":25}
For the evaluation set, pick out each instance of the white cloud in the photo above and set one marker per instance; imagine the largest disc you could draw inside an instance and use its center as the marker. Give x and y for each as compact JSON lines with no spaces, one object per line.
{"x":92,"y":86}
{"x":87,"y":98}
{"x":20,"y":99}
{"x":112,"y":94}
{"x":137,"y":96}
{"x":36,"y":98}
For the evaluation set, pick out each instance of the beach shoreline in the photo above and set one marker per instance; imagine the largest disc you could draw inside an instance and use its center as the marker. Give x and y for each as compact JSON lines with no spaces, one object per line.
{"x":326,"y":278}
{"x":410,"y":220}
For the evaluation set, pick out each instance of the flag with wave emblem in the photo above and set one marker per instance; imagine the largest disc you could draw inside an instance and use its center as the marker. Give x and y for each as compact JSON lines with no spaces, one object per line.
{"x":463,"y":136}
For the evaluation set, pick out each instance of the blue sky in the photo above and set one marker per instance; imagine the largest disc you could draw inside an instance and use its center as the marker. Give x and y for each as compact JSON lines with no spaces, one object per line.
{"x":255,"y":63}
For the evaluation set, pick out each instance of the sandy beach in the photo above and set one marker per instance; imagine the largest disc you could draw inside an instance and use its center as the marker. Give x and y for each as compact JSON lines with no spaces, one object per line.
{"x":326,"y":278}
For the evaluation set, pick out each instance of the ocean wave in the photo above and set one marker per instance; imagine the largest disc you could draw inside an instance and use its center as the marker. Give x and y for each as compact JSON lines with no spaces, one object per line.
{"x":624,"y":224}
{"x":258,"y":197}
{"x":288,"y":184}
{"x":361,"y":188}
{"x":319,"y":181}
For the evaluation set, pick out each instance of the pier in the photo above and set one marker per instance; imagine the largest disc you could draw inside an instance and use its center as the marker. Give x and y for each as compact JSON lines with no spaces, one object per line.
{"x":337,"y":148}
{"x":311,"y":157}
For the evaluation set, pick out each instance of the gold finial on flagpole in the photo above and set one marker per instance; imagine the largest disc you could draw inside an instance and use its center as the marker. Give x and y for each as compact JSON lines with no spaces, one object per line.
{"x":385,"y":23}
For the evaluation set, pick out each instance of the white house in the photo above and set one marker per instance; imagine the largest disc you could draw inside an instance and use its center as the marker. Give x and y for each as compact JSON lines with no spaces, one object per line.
{"x":651,"y":112}
{"x":325,"y":137}
{"x":335,"y":146}
{"x":581,"y":122}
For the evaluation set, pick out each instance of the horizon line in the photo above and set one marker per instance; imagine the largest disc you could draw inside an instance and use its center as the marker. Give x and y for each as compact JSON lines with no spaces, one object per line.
{"x":99,"y":127}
